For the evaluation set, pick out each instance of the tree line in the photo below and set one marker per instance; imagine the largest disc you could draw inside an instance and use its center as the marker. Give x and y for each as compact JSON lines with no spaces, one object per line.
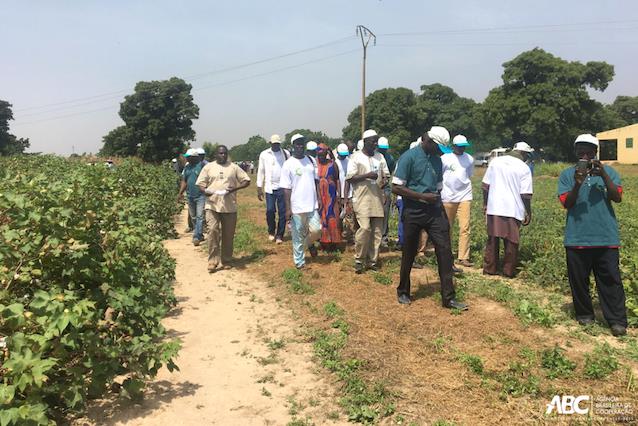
{"x":543,"y":100}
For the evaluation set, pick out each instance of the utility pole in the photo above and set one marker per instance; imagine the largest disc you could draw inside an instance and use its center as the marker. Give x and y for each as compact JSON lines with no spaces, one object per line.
{"x":366,"y":35}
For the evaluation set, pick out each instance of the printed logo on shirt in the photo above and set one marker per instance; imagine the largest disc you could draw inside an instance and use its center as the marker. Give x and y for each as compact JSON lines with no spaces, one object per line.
{"x":298,"y":171}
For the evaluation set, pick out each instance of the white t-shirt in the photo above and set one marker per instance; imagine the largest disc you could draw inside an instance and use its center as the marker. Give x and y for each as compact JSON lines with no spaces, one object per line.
{"x":508,"y":178}
{"x":457,"y":171}
{"x":299,"y":176}
{"x":342,"y":165}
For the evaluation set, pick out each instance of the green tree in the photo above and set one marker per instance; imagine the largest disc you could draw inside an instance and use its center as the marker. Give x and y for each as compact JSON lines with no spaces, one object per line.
{"x":627,"y":108}
{"x":158,"y":121}
{"x":250,"y":150}
{"x":544,"y":100}
{"x":210,"y":149}
{"x":391,"y":112}
{"x":9,"y":144}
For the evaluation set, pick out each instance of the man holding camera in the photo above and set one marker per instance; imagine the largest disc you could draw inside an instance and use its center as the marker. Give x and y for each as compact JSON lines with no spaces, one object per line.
{"x":591,"y":235}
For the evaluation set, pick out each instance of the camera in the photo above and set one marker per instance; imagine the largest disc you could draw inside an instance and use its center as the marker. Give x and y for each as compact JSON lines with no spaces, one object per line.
{"x":584,"y":165}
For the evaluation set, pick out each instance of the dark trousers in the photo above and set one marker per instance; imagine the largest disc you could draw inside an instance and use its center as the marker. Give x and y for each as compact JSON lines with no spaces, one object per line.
{"x":275,"y":204}
{"x":490,"y":258}
{"x":433,"y":220}
{"x":605,"y":264}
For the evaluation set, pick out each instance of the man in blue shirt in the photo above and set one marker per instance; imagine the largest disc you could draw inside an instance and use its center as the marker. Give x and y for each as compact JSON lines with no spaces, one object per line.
{"x":418,"y":180}
{"x":196,"y":198}
{"x":591,"y":235}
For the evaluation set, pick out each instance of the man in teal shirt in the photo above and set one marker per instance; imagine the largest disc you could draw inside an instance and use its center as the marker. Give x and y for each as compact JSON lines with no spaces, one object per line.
{"x":196,"y":198}
{"x":418,"y":180}
{"x":591,"y":235}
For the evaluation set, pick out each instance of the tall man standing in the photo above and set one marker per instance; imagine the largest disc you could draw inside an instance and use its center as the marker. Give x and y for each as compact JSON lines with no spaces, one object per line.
{"x":298,"y":180}
{"x":418,"y":180}
{"x":591,"y":235}
{"x":346,"y":218}
{"x":507,"y":202}
{"x":458,"y":168}
{"x":196,"y":198}
{"x":367,"y":174}
{"x":271,"y":161}
{"x":220,"y":180}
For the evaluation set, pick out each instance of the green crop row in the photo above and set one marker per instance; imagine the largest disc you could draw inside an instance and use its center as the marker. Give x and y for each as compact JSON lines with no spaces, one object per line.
{"x":84,"y":283}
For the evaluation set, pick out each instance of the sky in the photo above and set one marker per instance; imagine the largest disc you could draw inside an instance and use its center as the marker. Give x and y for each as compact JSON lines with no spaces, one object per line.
{"x":67,"y":65}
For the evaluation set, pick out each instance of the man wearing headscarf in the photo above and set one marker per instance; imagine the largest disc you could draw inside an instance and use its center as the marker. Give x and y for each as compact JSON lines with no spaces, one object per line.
{"x":592,"y":241}
{"x":507,"y":202}
{"x":418,"y":180}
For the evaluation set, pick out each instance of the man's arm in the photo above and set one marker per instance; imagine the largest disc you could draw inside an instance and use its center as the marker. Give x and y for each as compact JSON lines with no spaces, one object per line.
{"x":261,"y":175}
{"x":403,"y":191}
{"x":613,"y":194}
{"x":182,"y":188}
{"x":287,"y":194}
{"x":572,"y":196}
{"x":527,"y":202}
{"x":486,"y":193}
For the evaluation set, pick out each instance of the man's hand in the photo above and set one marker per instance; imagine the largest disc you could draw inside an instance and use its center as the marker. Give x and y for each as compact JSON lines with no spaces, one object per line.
{"x":372,"y":175}
{"x":527,"y":219}
{"x":260,"y":194}
{"x":597,"y":168}
{"x":580,"y":176}
{"x":348,"y":206}
{"x":431,"y":197}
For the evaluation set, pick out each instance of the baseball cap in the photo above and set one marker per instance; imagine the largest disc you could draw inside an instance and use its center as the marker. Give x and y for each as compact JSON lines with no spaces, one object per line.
{"x":460,"y":140}
{"x":342,"y":149}
{"x":383,"y":143}
{"x":369,"y":133}
{"x":311,"y":146}
{"x":190,"y":153}
{"x":275,"y":139}
{"x":587,"y":138}
{"x":296,"y":136}
{"x":200,"y":151}
{"x":441,"y":136}
{"x":523,"y":146}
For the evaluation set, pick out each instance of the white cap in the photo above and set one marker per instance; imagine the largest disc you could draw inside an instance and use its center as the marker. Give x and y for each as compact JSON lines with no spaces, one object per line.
{"x":311,"y":146}
{"x":523,"y":146}
{"x":383,"y":143}
{"x":415,"y":143}
{"x":275,"y":139}
{"x":369,"y":133}
{"x":200,"y":151}
{"x":190,"y":153}
{"x":174,"y":160}
{"x":360,"y":145}
{"x":295,"y":137}
{"x":587,"y":138}
{"x":342,"y":149}
{"x":460,"y":140}
{"x":440,"y":135}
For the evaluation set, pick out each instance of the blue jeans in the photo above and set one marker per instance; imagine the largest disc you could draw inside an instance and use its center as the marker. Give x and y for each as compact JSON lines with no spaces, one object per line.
{"x":275,"y":204}
{"x":400,"y":225}
{"x":196,"y":213}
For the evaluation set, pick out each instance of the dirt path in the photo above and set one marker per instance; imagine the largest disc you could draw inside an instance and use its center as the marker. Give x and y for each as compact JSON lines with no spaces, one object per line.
{"x":243,"y":360}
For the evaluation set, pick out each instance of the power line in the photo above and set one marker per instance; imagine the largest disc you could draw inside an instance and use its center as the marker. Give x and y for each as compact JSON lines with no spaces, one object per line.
{"x":198,"y":76}
{"x":197,"y":89}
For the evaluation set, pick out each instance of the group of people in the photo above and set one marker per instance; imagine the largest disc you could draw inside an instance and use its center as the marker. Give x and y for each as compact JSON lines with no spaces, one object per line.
{"x":325,"y":197}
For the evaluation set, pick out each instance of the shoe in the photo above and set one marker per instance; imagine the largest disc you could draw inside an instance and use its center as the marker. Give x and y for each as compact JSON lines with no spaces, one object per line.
{"x":398,"y":247}
{"x":490,"y":273}
{"x":456,"y":270}
{"x":586,"y":321}
{"x":453,"y":304}
{"x":358,"y":267}
{"x":465,"y":263}
{"x":373,"y":267}
{"x":618,"y":330}
{"x":416,"y":265}
{"x":301,"y":267}
{"x":212,"y":268}
{"x":196,"y":242}
{"x":279,"y":240}
{"x":271,"y":238}
{"x":313,"y":251}
{"x":404,"y":299}
{"x":187,"y":230}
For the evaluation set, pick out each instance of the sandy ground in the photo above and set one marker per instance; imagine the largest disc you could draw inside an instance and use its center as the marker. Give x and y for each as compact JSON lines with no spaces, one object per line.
{"x":244,"y":360}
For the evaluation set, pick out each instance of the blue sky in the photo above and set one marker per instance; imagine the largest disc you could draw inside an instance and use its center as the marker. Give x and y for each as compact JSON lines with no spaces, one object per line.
{"x":62,"y":51}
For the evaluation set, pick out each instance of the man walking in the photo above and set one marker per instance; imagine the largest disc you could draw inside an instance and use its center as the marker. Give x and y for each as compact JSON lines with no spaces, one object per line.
{"x":458,"y":168}
{"x":367,"y":174}
{"x":196,"y":198}
{"x":345,"y":220}
{"x":418,"y":180}
{"x":591,"y":235}
{"x":383,"y":148}
{"x":271,"y":161}
{"x":507,"y":202}
{"x":220,"y":180}
{"x":298,"y":180}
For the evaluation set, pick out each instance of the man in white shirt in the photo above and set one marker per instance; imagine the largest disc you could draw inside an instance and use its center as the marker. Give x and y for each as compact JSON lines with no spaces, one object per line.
{"x":345,"y":221}
{"x":298,"y":180}
{"x":456,"y":194}
{"x":367,"y":174}
{"x":271,"y":161}
{"x":507,"y":202}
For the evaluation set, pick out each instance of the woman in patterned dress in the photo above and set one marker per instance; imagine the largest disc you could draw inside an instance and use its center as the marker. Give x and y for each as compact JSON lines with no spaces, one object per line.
{"x":330,"y":193}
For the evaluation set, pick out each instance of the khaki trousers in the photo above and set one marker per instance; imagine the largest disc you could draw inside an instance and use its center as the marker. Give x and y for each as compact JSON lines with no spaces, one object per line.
{"x":462,"y":210}
{"x":221,"y":233}
{"x":368,"y":239}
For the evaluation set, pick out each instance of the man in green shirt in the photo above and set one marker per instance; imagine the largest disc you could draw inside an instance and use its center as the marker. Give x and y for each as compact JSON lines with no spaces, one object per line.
{"x":196,"y":199}
{"x":418,"y":180}
{"x":591,"y":235}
